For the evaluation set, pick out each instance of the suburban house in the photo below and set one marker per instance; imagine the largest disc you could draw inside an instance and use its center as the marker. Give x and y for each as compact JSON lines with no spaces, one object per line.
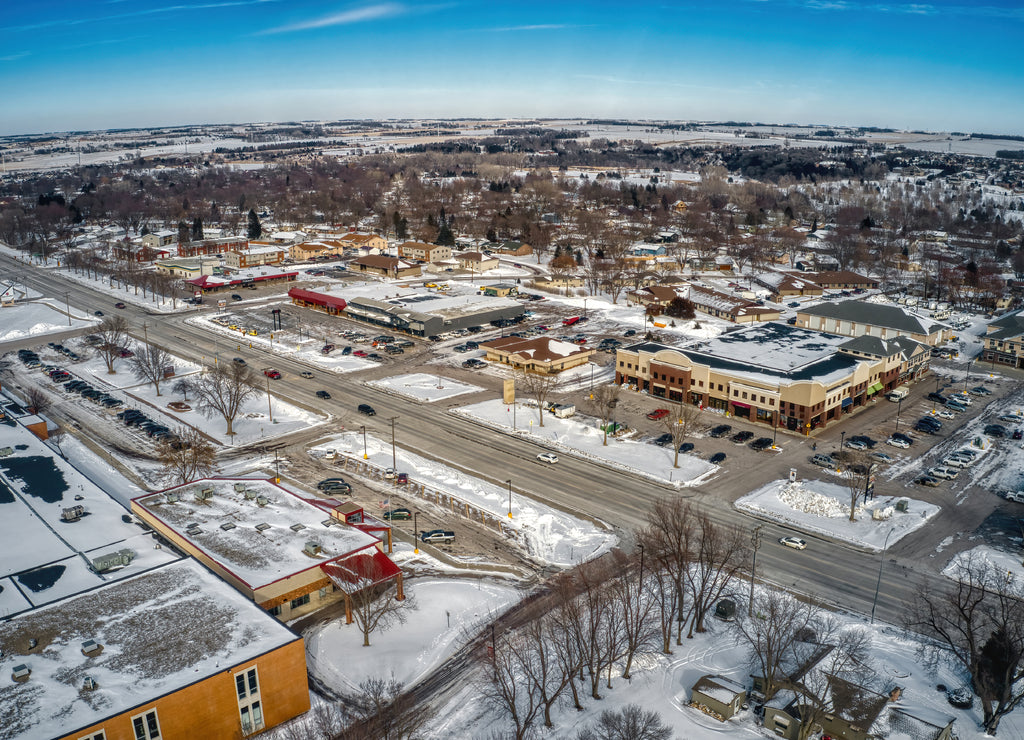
{"x":286,"y":554}
{"x":365,"y":243}
{"x":511,"y":248}
{"x":718,"y":696}
{"x":731,"y":308}
{"x":476,"y":261}
{"x":857,"y":318}
{"x":652,"y":295}
{"x":391,"y":267}
{"x":788,"y":284}
{"x":254,"y":255}
{"x":840,"y":280}
{"x":537,"y":354}
{"x":312,"y":249}
{"x":157,"y":239}
{"x":424,"y":252}
{"x":1004,"y":342}
{"x":773,"y":373}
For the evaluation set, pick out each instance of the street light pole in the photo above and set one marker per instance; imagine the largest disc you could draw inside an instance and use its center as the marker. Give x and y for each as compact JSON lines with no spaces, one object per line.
{"x":270,"y":406}
{"x":755,"y":541}
{"x":394,"y":456}
{"x":899,"y":407}
{"x":416,"y":532}
{"x":67,"y":304}
{"x":509,"y":481}
{"x":362,"y":428}
{"x":878,"y":584}
{"x":968,"y":375}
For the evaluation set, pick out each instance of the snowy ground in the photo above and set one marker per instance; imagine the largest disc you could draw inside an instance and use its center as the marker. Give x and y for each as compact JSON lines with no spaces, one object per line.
{"x":448,"y":612}
{"x":547,"y":534}
{"x":36,"y":319}
{"x":1000,"y":561}
{"x":823,"y":507}
{"x":423,"y":387}
{"x":126,"y":293}
{"x":580,"y":435}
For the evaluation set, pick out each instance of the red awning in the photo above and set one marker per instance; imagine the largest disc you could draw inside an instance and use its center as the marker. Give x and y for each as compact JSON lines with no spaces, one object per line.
{"x":739,"y":405}
{"x":362,"y":570}
{"x":317,"y":299}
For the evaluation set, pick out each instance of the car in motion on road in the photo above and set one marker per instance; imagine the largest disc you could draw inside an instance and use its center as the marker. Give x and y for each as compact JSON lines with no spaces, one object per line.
{"x":717,"y":459}
{"x":239,"y":361}
{"x":548,"y":457}
{"x":366,"y":409}
{"x":795,"y":542}
{"x":323,"y":394}
{"x":397,"y":514}
{"x":306,"y":374}
{"x":272,"y":373}
{"x":119,"y":305}
{"x":720,"y":431}
{"x":445,"y":536}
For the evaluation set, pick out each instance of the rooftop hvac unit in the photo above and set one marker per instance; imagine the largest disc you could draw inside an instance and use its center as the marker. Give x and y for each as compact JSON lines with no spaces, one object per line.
{"x":262,"y":501}
{"x":193,"y":531}
{"x":239,"y":487}
{"x":89,"y":684}
{"x":172,"y":498}
{"x":204,"y":494}
{"x":227,"y":526}
{"x":297,"y":527}
{"x":250,"y":494}
{"x":111,"y":560}
{"x":72,"y":513}
{"x":312,"y":548}
{"x":91,"y":647}
{"x":263,"y":527}
{"x":21,"y":672}
{"x":6,"y":451}
{"x":327,"y":522}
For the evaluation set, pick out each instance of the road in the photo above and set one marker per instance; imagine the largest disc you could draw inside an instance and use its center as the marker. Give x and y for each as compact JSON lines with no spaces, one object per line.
{"x":838,"y":575}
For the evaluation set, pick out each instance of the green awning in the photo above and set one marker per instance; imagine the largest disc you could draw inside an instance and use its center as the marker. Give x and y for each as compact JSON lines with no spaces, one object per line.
{"x":875,"y":388}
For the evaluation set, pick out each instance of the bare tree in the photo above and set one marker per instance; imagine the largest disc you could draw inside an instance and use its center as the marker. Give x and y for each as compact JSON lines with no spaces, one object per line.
{"x":56,"y":436}
{"x":978,"y":626}
{"x":632,"y":722}
{"x":182,"y":386}
{"x":856,"y":473}
{"x":386,"y":711}
{"x":507,"y":690}
{"x":537,"y":386}
{"x":680,"y":425}
{"x":149,"y":362}
{"x":669,"y":537}
{"x":719,"y":555}
{"x":223,"y":390}
{"x":605,"y":398}
{"x":37,"y":399}
{"x":376,"y":606}
{"x":630,"y":598}
{"x":774,"y":630}
{"x":188,"y":456}
{"x":113,"y":334}
{"x":549,"y":672}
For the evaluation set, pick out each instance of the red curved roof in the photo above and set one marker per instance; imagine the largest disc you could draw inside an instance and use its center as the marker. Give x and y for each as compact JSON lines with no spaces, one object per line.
{"x":318,"y":299}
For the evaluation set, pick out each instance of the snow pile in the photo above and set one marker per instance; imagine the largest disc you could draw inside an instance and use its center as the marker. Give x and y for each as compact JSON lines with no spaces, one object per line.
{"x":810,"y":502}
{"x":423,"y":387}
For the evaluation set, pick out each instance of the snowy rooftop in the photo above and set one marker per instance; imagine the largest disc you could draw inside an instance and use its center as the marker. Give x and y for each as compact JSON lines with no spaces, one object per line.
{"x":448,"y":305}
{"x":160,"y":631}
{"x":257,"y":543}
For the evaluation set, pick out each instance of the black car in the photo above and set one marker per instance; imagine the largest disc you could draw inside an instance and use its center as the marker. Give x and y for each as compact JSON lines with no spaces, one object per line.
{"x":930,"y":421}
{"x":868,"y":442}
{"x":334,"y":484}
{"x":686,"y":447}
{"x":742,"y":437}
{"x":761,"y":443}
{"x":720,"y":431}
{"x":996,"y":430}
{"x":346,"y":350}
{"x":717,"y":459}
{"x":906,"y":438}
{"x":239,"y":361}
{"x":366,"y":409}
{"x":236,"y":297}
{"x":937,"y":397}
{"x":629,"y":333}
{"x":323,"y":394}
{"x":919,"y":427}
{"x":664,"y":440}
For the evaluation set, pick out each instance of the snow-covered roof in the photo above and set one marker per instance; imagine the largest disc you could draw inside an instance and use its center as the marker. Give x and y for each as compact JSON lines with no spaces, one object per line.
{"x":719,"y":688}
{"x":160,"y":631}
{"x":537,"y":348}
{"x":258,"y":544}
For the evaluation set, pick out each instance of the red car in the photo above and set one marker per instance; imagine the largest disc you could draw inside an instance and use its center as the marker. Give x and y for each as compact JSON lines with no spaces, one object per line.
{"x":118,"y":305}
{"x":360,"y":353}
{"x":658,"y":414}
{"x":272,"y":374}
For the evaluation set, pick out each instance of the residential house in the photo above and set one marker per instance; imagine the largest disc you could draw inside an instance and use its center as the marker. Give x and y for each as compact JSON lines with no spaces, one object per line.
{"x":718,"y":696}
{"x":308,"y":250}
{"x":731,"y":308}
{"x":537,"y":354}
{"x":787,"y":285}
{"x":512,"y":248}
{"x":840,"y":280}
{"x":157,"y":239}
{"x":364,"y":243}
{"x":391,"y":267}
{"x":858,"y":318}
{"x":476,"y":261}
{"x":424,"y":252}
{"x":256,"y":254}
{"x":652,"y":295}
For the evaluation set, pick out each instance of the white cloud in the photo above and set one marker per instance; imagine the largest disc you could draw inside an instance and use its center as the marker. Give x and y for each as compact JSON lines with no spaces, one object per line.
{"x":347,"y":17}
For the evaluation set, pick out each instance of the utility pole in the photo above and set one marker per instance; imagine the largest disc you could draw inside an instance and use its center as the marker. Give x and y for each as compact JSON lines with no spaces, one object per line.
{"x":755,"y":541}
{"x":67,"y":304}
{"x":270,"y":406}
{"x":394,"y":456}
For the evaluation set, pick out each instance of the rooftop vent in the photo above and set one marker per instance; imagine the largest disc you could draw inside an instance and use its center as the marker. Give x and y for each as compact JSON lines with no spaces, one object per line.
{"x":193,"y":531}
{"x":250,"y":494}
{"x":312,"y":548}
{"x":89,"y":684}
{"x":72,"y":513}
{"x":262,"y":501}
{"x":226,"y":526}
{"x":297,"y":527}
{"x":111,"y":560}
{"x":172,"y":498}
{"x":204,"y":494}
{"x":91,"y":647}
{"x":32,"y":642}
{"x":327,"y":522}
{"x":262,"y":527}
{"x":239,"y":487}
{"x":20,"y":673}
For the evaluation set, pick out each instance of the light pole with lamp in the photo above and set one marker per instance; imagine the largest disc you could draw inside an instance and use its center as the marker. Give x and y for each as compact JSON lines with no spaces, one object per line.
{"x":775,"y":430}
{"x":878,"y":584}
{"x":641,"y":578}
{"x":755,"y":542}
{"x":394,"y":456}
{"x":968,"y":375}
{"x":362,"y":428}
{"x":899,"y":407}
{"x":270,"y":406}
{"x":67,"y":303}
{"x":509,"y":481}
{"x":416,"y":532}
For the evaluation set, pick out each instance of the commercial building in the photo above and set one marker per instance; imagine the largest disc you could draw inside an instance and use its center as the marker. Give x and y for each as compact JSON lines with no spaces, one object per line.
{"x":1004,"y":342}
{"x":271,"y":545}
{"x":537,"y":354}
{"x":424,"y":252}
{"x":859,"y":318}
{"x":390,"y":267}
{"x":731,"y":308}
{"x":312,"y":249}
{"x":254,"y":256}
{"x":773,"y":374}
{"x":241,"y":279}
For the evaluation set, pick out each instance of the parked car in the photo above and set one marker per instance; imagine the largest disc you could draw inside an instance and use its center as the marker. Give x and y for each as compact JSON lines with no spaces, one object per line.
{"x":868,"y":442}
{"x":397,"y":514}
{"x":957,"y":463}
{"x":995,"y":430}
{"x":795,"y":542}
{"x":1018,"y":434}
{"x":945,"y":414}
{"x":742,"y":437}
{"x":402,"y":478}
{"x":346,"y":351}
{"x":390,"y":473}
{"x":334,"y":484}
{"x":937,"y":397}
{"x":720,"y":431}
{"x":941,"y":471}
{"x":880,"y":457}
{"x":761,"y":443}
{"x":906,"y":438}
{"x":824,"y":461}
{"x":658,"y":414}
{"x":717,"y":459}
{"x":327,"y":349}
{"x":927,"y":480}
{"x":236,"y":297}
{"x":366,"y":409}
{"x":444,"y":536}
{"x":855,"y":444}
{"x":323,"y":394}
{"x":1012,"y":418}
{"x":686,"y":447}
{"x":980,"y":390}
{"x":360,"y":353}
{"x":548,"y":457}
{"x":663,"y":440}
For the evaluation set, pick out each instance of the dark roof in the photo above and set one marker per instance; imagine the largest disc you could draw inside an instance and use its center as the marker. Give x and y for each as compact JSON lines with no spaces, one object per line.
{"x":875,"y":314}
{"x":879,"y":347}
{"x":1008,"y":326}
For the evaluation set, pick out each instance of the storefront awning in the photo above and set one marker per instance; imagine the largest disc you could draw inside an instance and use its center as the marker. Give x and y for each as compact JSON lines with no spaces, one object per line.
{"x":739,"y":405}
{"x":874,"y":388}
{"x":847,"y":402}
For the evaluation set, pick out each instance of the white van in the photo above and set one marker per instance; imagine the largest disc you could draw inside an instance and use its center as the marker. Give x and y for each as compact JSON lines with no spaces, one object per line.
{"x":898,"y":394}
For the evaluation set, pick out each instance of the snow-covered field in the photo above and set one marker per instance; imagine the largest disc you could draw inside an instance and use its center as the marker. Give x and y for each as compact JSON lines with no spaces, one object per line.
{"x":824,"y":508}
{"x":423,"y":387}
{"x":1005,"y":565}
{"x":581,"y":435}
{"x":36,"y":319}
{"x":547,"y":534}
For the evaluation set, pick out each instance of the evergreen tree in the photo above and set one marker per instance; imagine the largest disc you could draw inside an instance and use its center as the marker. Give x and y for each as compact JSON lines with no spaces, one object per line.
{"x":214,"y":212}
{"x":402,"y":232}
{"x":197,"y":229}
{"x":445,"y":236}
{"x":183,"y":233}
{"x":492,"y":235}
{"x":255,"y":229}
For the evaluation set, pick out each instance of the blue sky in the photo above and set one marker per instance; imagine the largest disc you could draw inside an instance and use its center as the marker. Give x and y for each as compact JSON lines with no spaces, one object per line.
{"x":946,"y":65}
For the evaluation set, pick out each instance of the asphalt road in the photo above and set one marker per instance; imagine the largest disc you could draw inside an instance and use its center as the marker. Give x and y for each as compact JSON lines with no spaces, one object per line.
{"x":838,"y":575}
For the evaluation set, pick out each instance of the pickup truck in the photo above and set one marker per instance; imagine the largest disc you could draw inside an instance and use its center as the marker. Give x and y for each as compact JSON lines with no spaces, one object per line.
{"x":438,"y":535}
{"x":272,"y":373}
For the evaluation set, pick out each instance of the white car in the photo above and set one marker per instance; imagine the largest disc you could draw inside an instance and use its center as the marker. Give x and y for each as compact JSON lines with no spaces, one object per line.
{"x":901,"y":443}
{"x":956,"y":462}
{"x":795,"y":542}
{"x":548,"y":457}
{"x":943,"y":414}
{"x":940,"y":471}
